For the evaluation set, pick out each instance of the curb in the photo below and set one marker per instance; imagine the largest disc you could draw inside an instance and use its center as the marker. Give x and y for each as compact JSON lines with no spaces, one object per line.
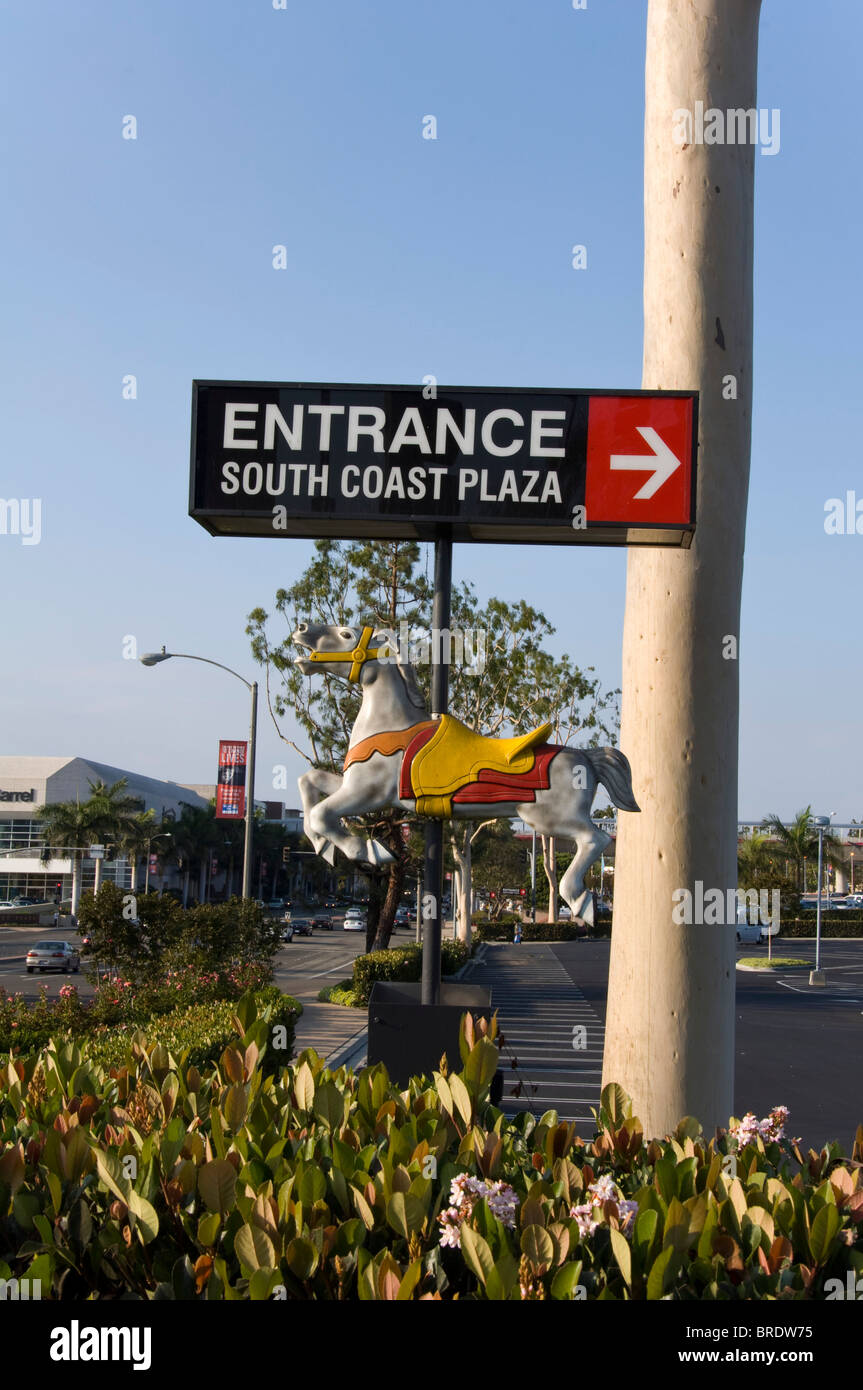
{"x":350,"y":1052}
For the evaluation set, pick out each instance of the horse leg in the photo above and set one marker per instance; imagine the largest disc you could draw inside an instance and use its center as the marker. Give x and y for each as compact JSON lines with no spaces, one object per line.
{"x":564,"y":810}
{"x":590,"y":842}
{"x":315,"y":786}
{"x":366,"y":786}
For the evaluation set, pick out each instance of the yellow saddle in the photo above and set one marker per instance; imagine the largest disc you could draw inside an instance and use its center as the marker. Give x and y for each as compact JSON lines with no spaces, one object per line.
{"x":454,"y":756}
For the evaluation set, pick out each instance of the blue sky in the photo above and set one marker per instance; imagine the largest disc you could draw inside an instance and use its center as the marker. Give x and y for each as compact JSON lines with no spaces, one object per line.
{"x":405,"y":257}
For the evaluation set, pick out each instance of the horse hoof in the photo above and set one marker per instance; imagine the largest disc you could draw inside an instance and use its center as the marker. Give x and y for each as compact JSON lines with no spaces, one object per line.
{"x":328,"y":853}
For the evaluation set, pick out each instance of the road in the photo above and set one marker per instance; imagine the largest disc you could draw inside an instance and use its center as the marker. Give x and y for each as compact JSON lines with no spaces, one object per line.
{"x":796,"y":1045}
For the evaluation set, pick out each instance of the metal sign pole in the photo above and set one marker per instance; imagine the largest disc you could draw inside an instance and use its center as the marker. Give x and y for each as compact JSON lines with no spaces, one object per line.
{"x":433,"y":869}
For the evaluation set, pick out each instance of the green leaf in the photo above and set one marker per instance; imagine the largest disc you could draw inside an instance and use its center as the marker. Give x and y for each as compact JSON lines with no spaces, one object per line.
{"x":234,"y":1107}
{"x":312,"y":1186}
{"x":481,"y":1065}
{"x":461,"y":1098}
{"x":304,"y":1087}
{"x":616,"y":1104}
{"x":254,"y":1249}
{"x":302,"y":1258}
{"x":217,"y":1184}
{"x":663,"y":1273}
{"x":329,"y":1105}
{"x":405,"y":1213}
{"x":537,"y":1244}
{"x":477,"y":1253}
{"x":208,"y":1229}
{"x":623,"y":1255}
{"x":262,"y":1283}
{"x":823,"y":1232}
{"x":412,"y":1276}
{"x":564,"y":1285}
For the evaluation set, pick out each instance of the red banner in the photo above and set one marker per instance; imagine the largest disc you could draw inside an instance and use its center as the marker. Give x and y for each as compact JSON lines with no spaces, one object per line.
{"x":231,"y":784}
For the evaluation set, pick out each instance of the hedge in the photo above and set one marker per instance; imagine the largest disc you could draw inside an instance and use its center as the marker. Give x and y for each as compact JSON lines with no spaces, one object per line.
{"x":164,"y":1182}
{"x":832,"y":924}
{"x":198,"y":1032}
{"x":543,"y":931}
{"x":403,"y":964}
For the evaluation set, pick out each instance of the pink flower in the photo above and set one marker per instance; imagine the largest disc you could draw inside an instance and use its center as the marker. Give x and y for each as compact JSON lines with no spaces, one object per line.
{"x":584,"y":1216}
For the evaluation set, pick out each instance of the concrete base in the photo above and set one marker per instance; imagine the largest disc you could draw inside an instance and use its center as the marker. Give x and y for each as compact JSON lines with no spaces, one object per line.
{"x":817,"y":977}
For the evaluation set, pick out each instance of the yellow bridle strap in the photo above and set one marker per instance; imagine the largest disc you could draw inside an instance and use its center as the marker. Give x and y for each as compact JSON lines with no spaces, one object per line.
{"x":362,"y":652}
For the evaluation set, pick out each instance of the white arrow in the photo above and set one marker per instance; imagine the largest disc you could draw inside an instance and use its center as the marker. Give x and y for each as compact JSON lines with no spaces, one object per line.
{"x":663,"y":463}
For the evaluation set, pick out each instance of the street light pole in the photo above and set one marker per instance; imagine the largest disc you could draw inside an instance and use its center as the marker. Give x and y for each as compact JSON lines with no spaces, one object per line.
{"x":153,"y":659}
{"x":816,"y":976}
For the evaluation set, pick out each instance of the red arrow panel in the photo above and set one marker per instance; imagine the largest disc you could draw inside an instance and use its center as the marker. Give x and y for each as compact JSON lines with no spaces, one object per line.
{"x":613,"y":432}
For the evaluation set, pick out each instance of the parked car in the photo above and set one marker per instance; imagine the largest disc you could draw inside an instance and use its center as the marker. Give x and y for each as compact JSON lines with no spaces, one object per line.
{"x":303,"y":926}
{"x":324,"y":920}
{"x":288,"y":933}
{"x":53,"y":955}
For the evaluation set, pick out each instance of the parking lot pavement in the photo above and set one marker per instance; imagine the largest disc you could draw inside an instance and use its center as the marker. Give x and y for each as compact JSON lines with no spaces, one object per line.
{"x":553,"y":1035}
{"x":796,"y":1044}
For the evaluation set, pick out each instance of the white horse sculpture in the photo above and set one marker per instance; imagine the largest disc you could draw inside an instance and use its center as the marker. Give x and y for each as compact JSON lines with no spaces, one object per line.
{"x":398,"y":756}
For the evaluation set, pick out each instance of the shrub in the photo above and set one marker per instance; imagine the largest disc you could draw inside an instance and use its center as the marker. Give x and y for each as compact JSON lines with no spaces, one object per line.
{"x":167,"y":1181}
{"x":403,"y":964}
{"x":104,"y":1031}
{"x":543,"y":931}
{"x":832,"y":924}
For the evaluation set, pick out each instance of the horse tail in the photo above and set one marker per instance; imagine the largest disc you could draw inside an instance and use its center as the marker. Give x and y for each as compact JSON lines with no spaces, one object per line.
{"x":614,"y":773}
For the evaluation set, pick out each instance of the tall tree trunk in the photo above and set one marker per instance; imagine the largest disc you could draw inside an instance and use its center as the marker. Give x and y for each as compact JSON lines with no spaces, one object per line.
{"x":462,"y":879}
{"x":549,"y":863}
{"x":670,"y":1027}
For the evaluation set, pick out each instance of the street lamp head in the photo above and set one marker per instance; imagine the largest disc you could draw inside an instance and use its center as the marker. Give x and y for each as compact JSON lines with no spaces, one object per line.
{"x":821,"y":820}
{"x":153,"y":658}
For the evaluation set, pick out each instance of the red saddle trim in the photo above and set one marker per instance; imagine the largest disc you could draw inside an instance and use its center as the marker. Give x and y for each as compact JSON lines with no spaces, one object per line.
{"x":492,"y":786}
{"x":406,"y":791}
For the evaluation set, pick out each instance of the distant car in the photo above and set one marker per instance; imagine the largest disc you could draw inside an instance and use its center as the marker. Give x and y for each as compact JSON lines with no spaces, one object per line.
{"x":303,"y":926}
{"x":288,"y":933}
{"x":854,"y":900}
{"x":276,"y":905}
{"x":21,"y":901}
{"x":324,"y":921}
{"x":401,"y":919}
{"x":355,"y":919}
{"x":53,"y":955}
{"x":564,"y":912}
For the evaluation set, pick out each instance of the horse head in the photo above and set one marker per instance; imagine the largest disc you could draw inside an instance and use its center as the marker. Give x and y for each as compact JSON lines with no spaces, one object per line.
{"x":356,"y":654}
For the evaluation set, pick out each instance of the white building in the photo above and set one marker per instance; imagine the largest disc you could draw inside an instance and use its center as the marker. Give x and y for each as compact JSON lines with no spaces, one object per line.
{"x":27,"y":783}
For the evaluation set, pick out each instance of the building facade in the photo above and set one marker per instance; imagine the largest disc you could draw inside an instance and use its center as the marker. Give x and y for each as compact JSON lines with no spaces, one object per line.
{"x":26,"y":783}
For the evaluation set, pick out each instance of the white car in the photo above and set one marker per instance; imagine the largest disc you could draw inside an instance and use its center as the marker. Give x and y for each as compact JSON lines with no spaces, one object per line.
{"x":355,"y":919}
{"x":53,"y":955}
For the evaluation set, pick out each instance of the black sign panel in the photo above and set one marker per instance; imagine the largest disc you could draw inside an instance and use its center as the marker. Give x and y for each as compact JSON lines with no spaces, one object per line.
{"x":412,"y":462}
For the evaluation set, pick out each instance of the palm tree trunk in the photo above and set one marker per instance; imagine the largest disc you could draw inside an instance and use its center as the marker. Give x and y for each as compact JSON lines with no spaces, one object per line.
{"x":670,"y":1028}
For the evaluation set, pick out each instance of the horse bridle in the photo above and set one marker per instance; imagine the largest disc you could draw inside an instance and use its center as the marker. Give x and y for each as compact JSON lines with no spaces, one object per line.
{"x":360,"y":654}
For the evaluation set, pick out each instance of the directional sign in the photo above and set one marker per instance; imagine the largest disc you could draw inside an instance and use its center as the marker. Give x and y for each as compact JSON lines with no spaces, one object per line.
{"x":477,"y":463}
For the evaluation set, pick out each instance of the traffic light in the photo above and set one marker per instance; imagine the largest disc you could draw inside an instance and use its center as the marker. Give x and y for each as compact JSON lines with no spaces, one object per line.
{"x":286,"y":854}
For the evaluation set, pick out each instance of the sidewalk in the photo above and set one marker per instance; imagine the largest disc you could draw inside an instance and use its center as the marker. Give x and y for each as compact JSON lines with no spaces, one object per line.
{"x":336,"y":1033}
